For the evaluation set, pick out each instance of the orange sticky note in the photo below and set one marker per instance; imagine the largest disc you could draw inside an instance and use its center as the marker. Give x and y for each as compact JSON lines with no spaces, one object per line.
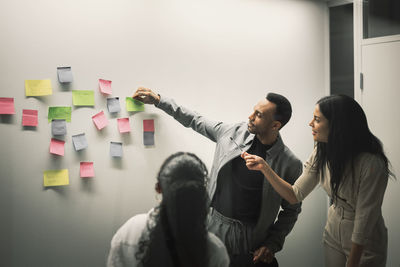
{"x":87,"y":169}
{"x":100,"y":120}
{"x":7,"y":105}
{"x":29,"y":117}
{"x":148,"y":125}
{"x":123,"y":125}
{"x":57,"y":147}
{"x":105,"y":87}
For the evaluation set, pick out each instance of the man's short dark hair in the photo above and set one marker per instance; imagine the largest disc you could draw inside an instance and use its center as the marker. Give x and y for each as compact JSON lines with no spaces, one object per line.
{"x":283,"y":110}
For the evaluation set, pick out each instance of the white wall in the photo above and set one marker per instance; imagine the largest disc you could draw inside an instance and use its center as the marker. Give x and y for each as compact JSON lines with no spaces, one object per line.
{"x":219,"y":57}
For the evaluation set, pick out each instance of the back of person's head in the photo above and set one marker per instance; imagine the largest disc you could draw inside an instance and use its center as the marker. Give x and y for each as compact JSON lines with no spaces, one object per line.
{"x":180,"y":224}
{"x":283,"y":111}
{"x":348,"y":136}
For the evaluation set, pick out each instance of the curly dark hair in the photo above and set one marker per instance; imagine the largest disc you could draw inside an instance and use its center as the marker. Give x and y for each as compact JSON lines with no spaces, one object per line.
{"x":177,"y":227}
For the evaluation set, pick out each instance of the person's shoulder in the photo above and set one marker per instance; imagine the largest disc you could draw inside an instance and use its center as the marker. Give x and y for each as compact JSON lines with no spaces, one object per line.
{"x":131,"y":231}
{"x":214,"y":241}
{"x":238,"y":126}
{"x":237,"y":130}
{"x":290,"y":156}
{"x":367,"y":159}
{"x":218,"y":255}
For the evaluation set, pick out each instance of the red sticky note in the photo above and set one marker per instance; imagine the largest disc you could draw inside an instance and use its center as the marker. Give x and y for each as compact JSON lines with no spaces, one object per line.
{"x":105,"y":87}
{"x":123,"y":125}
{"x":57,"y":147}
{"x":7,"y":105}
{"x":148,"y":125}
{"x":29,"y":117}
{"x":87,"y":169}
{"x":100,"y":120}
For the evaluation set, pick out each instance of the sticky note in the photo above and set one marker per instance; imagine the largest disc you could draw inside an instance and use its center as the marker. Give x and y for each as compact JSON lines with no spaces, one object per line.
{"x":29,"y":117}
{"x":100,"y":120}
{"x":123,"y":125}
{"x":133,"y":104}
{"x":79,"y":141}
{"x":148,"y":138}
{"x":116,"y":149}
{"x":64,"y":74}
{"x":105,"y":87}
{"x":38,"y":87}
{"x":55,"y":177}
{"x":58,"y":127}
{"x":57,"y":147}
{"x":83,"y":97}
{"x":7,"y":105}
{"x":148,"y":125}
{"x":62,"y":113}
{"x":86,"y":169}
{"x":113,"y":104}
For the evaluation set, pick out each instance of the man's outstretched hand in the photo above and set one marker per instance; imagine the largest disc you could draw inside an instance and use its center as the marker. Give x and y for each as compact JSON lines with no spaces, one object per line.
{"x":146,"y":96}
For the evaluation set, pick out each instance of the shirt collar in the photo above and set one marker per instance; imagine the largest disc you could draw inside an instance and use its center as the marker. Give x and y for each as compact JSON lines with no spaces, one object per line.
{"x":274,"y":150}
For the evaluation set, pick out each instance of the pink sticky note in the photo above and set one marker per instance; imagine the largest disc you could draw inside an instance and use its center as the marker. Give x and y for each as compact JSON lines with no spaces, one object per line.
{"x":100,"y":120}
{"x":148,"y":125}
{"x":29,"y":117}
{"x":105,"y":87}
{"x":7,"y":105}
{"x":123,"y":125}
{"x":57,"y":147}
{"x":87,"y":169}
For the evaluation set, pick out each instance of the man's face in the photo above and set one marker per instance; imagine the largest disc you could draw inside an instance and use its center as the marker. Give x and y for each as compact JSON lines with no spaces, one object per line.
{"x":261,"y":121}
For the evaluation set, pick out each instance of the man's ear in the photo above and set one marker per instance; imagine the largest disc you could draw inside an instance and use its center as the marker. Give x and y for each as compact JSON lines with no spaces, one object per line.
{"x":157,"y":187}
{"x":276,"y":125}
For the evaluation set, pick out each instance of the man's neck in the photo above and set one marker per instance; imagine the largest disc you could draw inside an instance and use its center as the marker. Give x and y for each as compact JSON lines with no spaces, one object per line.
{"x":268,"y":140}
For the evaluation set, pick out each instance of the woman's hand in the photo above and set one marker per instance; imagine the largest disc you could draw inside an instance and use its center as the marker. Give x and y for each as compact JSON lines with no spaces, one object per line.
{"x":254,"y":162}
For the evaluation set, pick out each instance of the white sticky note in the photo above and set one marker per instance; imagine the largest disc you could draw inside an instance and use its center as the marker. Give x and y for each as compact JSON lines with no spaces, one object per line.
{"x":116,"y":149}
{"x":113,"y":105}
{"x":58,"y":127}
{"x":64,"y":74}
{"x":79,"y":141}
{"x":148,"y":138}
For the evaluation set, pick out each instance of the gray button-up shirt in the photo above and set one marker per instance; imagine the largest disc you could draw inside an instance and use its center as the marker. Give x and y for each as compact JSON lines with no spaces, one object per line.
{"x":273,"y":224}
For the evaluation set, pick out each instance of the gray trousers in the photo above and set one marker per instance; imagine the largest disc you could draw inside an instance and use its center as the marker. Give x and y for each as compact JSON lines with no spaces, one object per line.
{"x":337,"y":241}
{"x":237,"y":238}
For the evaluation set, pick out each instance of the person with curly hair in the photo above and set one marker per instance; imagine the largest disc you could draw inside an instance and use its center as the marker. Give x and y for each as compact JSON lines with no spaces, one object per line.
{"x":174,"y":233}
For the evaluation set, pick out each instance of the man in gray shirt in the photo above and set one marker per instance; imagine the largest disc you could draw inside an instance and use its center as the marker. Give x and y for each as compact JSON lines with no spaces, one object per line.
{"x":245,"y":210}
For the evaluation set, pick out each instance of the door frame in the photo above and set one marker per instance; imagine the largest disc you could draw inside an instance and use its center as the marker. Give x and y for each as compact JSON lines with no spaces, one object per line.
{"x":359,"y":42}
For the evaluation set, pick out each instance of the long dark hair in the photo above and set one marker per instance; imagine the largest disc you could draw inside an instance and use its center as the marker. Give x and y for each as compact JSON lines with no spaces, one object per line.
{"x":349,"y":135}
{"x":177,"y":229}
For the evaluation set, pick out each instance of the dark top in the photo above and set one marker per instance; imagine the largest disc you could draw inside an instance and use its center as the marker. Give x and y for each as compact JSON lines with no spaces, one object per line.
{"x":240,"y":196}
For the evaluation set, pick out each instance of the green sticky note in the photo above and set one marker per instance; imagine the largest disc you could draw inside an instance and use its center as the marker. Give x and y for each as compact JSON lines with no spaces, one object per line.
{"x":133,"y":104}
{"x":83,"y":97}
{"x":61,"y":113}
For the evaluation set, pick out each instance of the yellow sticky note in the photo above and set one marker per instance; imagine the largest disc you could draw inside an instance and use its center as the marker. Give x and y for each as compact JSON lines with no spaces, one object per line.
{"x":38,"y":87}
{"x":55,"y":177}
